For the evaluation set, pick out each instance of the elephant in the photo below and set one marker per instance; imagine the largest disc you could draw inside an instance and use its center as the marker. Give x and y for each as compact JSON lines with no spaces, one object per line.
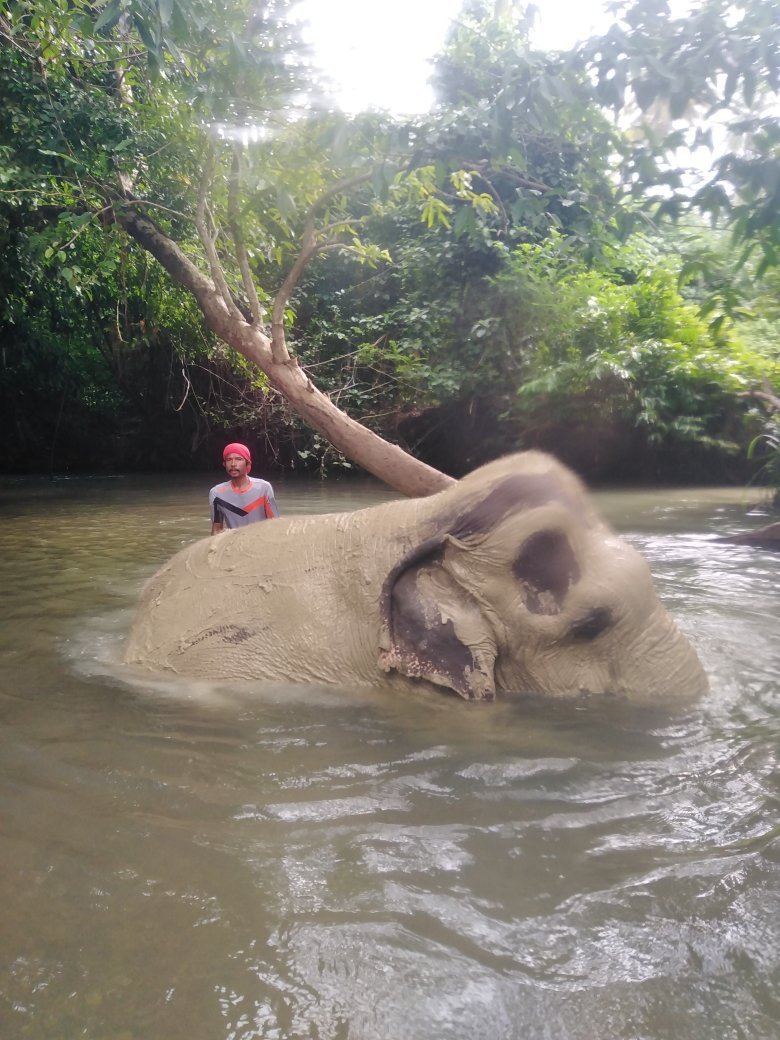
{"x":506,"y":583}
{"x":767,"y":537}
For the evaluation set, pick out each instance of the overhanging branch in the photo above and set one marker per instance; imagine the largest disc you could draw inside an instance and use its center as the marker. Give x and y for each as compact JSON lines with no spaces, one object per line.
{"x":202,"y":219}
{"x":234,"y":221}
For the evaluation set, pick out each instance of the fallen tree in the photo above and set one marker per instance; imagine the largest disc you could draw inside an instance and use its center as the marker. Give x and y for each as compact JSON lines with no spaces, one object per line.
{"x":384,"y":460}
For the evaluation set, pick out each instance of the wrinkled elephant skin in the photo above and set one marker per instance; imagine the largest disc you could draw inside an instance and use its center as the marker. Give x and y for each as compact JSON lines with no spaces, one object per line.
{"x":506,"y":583}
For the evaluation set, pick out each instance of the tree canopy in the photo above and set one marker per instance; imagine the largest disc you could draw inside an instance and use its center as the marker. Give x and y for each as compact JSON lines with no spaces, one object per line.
{"x":393,"y":263}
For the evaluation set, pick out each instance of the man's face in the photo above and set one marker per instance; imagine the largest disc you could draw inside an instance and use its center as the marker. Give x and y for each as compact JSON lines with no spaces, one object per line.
{"x":236,"y":466}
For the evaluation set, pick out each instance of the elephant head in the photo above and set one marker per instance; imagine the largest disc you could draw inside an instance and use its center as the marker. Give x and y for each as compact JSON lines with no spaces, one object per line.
{"x":518,"y":587}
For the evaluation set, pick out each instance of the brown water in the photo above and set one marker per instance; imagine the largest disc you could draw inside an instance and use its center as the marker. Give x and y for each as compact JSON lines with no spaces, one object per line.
{"x":181,"y":862}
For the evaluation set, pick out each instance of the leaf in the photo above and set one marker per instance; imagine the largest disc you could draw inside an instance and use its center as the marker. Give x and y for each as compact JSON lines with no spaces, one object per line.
{"x":60,"y":155}
{"x":155,"y":62}
{"x":749,"y":86}
{"x":109,"y":16}
{"x":730,"y":86}
{"x":148,"y":38}
{"x":179,"y":21}
{"x":76,"y":220}
{"x":645,"y":92}
{"x":285,"y":203}
{"x":165,"y":8}
{"x":465,"y":222}
{"x":678,"y":105}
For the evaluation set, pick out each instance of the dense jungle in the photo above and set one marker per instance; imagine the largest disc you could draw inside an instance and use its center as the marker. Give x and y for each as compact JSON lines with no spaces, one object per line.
{"x":575,"y":250}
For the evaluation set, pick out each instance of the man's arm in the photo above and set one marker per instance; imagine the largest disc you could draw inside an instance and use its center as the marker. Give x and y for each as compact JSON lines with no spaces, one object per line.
{"x":273,"y":510}
{"x":216,"y":519}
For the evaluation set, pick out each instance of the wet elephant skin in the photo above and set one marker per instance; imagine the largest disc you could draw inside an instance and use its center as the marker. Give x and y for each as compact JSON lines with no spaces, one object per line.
{"x":506,"y":584}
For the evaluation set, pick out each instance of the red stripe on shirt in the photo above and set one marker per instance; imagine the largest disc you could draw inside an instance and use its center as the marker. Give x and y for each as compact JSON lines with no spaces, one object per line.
{"x":262,"y":501}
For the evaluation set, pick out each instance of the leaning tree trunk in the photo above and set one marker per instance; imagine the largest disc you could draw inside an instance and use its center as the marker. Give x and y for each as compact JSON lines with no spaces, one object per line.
{"x":388,"y":462}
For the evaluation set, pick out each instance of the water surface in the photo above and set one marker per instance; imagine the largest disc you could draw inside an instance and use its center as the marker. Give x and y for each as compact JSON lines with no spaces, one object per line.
{"x":184,"y":862}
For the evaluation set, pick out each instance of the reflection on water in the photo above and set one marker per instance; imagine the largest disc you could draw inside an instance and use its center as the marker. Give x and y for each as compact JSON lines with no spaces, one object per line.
{"x":182,"y":861}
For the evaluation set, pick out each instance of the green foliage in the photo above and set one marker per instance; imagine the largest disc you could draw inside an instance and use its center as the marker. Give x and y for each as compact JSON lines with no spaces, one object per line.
{"x":476,"y":253}
{"x":626,"y":340}
{"x":92,"y":98}
{"x":525,"y":126}
{"x":766,"y":449}
{"x":703,"y":80}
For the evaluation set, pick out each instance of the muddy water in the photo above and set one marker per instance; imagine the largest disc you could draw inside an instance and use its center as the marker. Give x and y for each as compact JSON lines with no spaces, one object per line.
{"x":181,"y":862}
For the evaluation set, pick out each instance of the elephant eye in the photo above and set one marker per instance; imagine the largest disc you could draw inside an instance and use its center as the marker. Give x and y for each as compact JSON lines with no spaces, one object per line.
{"x":592,"y":624}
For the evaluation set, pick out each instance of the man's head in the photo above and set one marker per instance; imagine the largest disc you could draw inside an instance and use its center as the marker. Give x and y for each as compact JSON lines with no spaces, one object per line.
{"x":237,"y":461}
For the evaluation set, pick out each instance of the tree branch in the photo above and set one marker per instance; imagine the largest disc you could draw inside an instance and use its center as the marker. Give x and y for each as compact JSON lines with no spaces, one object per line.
{"x":206,"y":238}
{"x":238,"y":238}
{"x":343,"y":185}
{"x":523,"y":182}
{"x":282,"y":298}
{"x":170,"y":255}
{"x":311,"y":248}
{"x":767,"y":396}
{"x":386,"y":461}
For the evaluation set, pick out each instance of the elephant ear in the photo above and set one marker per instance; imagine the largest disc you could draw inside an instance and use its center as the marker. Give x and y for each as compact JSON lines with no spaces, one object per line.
{"x":433,"y":628}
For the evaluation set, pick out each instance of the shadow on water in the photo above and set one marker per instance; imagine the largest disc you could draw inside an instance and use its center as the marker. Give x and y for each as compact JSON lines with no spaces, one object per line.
{"x":184,"y":860}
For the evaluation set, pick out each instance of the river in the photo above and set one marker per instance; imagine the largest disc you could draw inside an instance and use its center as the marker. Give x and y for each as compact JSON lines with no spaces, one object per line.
{"x":182,"y":862}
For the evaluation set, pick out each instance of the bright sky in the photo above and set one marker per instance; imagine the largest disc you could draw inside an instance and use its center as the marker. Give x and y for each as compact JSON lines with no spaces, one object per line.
{"x":376,"y":54}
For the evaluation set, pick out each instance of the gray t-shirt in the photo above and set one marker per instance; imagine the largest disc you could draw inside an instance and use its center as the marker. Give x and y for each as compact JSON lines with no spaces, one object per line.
{"x":239,"y":508}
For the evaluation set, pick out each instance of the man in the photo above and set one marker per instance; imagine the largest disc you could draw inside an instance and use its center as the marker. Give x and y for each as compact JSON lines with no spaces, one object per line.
{"x":243,"y":499}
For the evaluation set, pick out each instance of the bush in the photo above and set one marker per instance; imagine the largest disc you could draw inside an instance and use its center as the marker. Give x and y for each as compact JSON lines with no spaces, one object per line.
{"x":625,"y":340}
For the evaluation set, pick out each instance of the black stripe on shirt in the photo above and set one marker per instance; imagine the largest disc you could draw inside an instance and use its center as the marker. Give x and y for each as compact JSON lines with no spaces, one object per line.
{"x":222,"y":504}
